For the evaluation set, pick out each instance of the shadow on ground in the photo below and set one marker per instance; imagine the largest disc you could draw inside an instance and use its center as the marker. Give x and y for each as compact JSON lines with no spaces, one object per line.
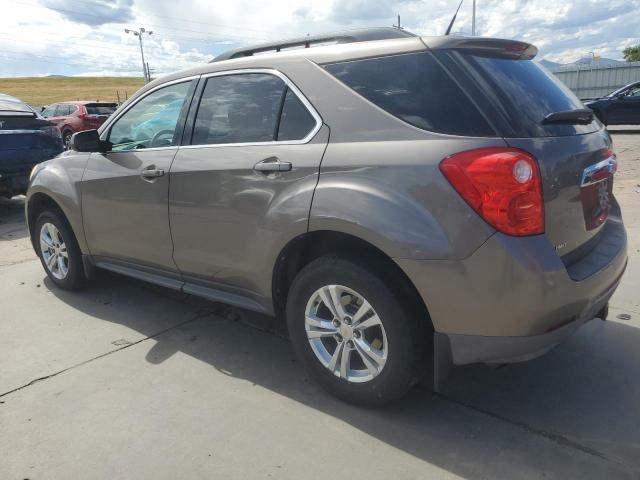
{"x":582,"y":396}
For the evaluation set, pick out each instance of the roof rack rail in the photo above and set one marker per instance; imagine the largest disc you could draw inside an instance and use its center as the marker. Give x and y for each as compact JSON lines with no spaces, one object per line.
{"x":346,"y":36}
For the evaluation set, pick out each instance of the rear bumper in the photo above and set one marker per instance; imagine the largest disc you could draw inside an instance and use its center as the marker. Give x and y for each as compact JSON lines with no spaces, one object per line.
{"x":476,"y":348}
{"x":14,"y":183}
{"x":514,"y":298}
{"x":16,"y":165}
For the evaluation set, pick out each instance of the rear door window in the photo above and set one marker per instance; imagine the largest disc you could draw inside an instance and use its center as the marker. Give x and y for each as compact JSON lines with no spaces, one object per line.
{"x":523,"y":91}
{"x":239,"y":108}
{"x":415,"y":88}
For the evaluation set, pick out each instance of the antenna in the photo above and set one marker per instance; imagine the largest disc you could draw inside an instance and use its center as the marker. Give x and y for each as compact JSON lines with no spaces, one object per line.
{"x":399,"y":25}
{"x":453,"y":19}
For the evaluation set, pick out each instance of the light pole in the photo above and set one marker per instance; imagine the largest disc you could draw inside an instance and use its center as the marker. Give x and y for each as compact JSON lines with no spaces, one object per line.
{"x":139,"y":33}
{"x":473,"y":20}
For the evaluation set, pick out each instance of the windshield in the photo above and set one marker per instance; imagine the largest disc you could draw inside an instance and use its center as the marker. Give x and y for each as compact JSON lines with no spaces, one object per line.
{"x":620,"y":90}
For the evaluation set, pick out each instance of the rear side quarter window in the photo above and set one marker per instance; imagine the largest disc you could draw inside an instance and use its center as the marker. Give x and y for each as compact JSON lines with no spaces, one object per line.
{"x":296,"y":122}
{"x":415,"y":88}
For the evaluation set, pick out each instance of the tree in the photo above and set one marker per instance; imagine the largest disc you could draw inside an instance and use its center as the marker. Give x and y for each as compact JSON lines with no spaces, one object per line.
{"x":632,"y":54}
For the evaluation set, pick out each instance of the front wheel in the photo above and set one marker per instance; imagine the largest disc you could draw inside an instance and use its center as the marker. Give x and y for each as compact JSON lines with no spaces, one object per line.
{"x":66,"y":138}
{"x":357,"y":336}
{"x":59,"y":251}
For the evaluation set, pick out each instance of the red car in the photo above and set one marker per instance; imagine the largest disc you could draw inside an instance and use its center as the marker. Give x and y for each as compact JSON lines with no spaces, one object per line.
{"x":71,"y":117}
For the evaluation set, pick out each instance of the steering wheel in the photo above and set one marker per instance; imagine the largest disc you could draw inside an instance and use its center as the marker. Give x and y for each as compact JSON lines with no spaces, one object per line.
{"x":157,"y":136}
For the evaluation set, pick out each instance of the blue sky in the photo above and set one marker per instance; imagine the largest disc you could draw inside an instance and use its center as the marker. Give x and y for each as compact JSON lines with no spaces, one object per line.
{"x":86,"y":37}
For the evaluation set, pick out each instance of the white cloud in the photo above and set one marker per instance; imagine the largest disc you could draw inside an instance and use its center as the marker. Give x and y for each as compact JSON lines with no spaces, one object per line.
{"x":79,"y":37}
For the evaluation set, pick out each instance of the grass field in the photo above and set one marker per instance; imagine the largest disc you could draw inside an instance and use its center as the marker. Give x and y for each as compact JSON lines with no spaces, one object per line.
{"x":40,"y":91}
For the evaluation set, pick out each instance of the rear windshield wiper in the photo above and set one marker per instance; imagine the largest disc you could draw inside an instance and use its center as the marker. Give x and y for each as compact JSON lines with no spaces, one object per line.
{"x":582,"y":116}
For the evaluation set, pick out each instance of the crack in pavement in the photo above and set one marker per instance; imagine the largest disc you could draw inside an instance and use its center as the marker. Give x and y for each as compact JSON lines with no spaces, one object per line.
{"x":204,"y":312}
{"x":554,"y":437}
{"x":199,"y":314}
{"x":17,"y":262}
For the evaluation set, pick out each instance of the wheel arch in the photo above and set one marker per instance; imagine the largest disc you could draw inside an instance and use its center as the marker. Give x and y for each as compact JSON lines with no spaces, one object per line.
{"x":305,"y":248}
{"x":39,"y":202}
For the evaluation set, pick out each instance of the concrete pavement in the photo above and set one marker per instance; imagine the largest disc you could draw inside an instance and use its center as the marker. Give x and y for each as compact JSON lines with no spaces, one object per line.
{"x":126,"y":380}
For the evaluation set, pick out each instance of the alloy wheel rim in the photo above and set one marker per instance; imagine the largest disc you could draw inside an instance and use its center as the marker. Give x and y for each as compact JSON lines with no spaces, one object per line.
{"x":346,"y":334}
{"x":54,"y":251}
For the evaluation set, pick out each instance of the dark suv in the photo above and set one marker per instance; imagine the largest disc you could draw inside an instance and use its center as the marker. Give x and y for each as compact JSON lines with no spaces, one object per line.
{"x":400,"y":200}
{"x":26,"y":139}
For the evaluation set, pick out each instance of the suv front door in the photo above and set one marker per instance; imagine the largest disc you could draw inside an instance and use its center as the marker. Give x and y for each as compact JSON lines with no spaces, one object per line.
{"x":125,"y":191}
{"x":243,"y":188}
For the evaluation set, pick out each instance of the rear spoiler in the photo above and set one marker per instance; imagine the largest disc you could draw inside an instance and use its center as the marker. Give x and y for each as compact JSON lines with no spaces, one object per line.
{"x":10,"y":107}
{"x":491,"y":47}
{"x":18,"y":113}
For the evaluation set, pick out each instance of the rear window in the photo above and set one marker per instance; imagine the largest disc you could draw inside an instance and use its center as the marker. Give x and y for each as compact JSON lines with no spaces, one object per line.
{"x":104,"y":109}
{"x":523,"y":91}
{"x":415,"y":88}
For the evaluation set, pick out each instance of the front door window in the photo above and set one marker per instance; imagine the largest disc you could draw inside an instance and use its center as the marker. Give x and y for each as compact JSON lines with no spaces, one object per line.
{"x":152,"y":122}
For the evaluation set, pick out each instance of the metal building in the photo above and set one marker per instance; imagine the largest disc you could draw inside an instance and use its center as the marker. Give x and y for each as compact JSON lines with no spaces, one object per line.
{"x":589,"y":81}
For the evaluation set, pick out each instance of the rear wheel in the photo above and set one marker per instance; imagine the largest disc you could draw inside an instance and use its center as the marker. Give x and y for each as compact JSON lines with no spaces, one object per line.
{"x":59,"y":251}
{"x":357,"y":336}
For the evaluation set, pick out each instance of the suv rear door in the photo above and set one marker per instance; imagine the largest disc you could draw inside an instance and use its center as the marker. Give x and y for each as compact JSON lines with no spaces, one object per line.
{"x":243,"y":186}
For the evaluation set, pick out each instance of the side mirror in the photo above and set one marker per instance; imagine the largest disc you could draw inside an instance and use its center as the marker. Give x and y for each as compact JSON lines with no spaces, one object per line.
{"x":88,"y":141}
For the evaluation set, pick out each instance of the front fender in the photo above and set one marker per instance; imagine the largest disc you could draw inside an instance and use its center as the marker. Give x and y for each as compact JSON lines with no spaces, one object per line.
{"x":60,"y":180}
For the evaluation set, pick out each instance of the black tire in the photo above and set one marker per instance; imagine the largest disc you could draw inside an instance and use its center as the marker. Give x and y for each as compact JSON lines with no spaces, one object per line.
{"x":75,"y":277}
{"x":406,"y":330}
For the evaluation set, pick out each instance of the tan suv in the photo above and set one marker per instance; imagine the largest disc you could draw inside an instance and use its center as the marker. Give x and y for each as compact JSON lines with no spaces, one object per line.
{"x":400,"y":200}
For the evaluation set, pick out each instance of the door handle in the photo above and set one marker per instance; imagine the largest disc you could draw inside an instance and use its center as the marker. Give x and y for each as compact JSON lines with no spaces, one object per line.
{"x":272,"y":164}
{"x":151,"y":173}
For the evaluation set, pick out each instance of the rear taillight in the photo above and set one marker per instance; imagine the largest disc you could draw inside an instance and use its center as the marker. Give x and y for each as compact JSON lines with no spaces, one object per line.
{"x":609,"y":154}
{"x":52,"y":131}
{"x":502,"y":185}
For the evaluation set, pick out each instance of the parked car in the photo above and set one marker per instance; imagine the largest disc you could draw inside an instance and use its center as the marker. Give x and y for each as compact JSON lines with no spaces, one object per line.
{"x":405,"y":203}
{"x":25,"y":140}
{"x":621,"y":107}
{"x":71,"y":117}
